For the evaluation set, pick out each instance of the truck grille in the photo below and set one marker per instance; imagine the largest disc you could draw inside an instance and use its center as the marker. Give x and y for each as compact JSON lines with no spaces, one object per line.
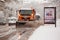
{"x":25,"y":19}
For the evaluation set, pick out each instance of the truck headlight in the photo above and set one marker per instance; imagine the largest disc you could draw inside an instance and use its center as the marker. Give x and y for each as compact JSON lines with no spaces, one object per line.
{"x":31,"y":14}
{"x":19,"y":14}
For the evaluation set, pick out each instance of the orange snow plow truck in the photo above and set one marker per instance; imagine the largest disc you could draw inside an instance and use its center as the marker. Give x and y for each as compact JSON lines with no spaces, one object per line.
{"x":26,"y":15}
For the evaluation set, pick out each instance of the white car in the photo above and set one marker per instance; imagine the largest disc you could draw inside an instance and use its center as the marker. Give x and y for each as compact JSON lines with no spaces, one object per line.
{"x":12,"y":20}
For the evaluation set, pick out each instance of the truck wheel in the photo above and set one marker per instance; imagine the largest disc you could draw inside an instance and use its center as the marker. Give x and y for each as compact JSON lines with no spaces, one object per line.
{"x":9,"y":24}
{"x":17,"y":23}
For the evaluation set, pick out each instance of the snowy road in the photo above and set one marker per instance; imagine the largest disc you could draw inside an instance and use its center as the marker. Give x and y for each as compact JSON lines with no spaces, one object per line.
{"x":43,"y":32}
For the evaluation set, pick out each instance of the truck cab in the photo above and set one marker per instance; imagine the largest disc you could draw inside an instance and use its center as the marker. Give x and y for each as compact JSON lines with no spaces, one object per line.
{"x":26,"y":15}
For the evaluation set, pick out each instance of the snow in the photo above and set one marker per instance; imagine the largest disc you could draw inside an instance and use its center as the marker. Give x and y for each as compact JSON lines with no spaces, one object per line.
{"x":46,"y":32}
{"x":15,"y":37}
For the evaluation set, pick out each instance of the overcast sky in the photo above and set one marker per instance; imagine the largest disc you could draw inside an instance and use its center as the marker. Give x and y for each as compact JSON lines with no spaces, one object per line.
{"x":41,"y":1}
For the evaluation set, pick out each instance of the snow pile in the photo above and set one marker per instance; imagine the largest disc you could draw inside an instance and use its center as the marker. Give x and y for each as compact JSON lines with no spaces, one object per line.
{"x":46,"y":32}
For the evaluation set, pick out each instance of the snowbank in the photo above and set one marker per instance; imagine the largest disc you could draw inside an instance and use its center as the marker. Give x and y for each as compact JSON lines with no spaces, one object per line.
{"x":46,"y":32}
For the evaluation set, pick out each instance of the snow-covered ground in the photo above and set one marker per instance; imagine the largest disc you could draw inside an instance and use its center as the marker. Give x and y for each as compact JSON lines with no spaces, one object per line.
{"x":46,"y":32}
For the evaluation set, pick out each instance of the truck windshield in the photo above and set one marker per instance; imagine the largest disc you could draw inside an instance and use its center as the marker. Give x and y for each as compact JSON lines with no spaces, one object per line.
{"x":25,"y":11}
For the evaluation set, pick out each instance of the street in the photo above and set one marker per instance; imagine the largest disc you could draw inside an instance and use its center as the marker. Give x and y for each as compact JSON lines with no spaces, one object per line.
{"x":23,"y":30}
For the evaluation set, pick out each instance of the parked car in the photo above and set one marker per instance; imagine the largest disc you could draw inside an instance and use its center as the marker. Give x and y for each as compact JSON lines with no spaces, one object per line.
{"x":12,"y":20}
{"x":37,"y":17}
{"x":2,"y":18}
{"x":2,"y":21}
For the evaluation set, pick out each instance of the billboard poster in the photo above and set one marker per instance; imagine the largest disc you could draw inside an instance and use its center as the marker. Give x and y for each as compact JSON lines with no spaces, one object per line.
{"x":49,"y":15}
